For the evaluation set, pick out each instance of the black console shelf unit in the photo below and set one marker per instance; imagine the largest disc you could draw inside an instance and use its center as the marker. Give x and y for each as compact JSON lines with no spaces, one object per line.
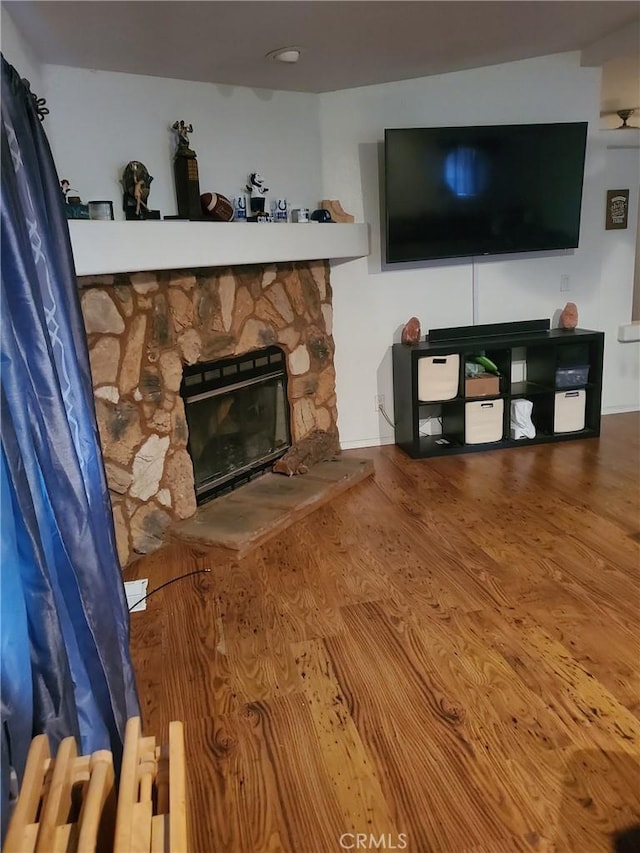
{"x":541,"y":353}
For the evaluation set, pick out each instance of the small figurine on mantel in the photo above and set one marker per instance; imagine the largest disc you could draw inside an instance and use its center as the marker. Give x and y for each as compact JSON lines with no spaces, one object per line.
{"x":183,"y":130}
{"x":70,"y":196}
{"x":569,"y":316}
{"x":185,"y":170}
{"x":136,"y":182}
{"x":258,"y":190}
{"x":411,"y":331}
{"x":74,"y":208}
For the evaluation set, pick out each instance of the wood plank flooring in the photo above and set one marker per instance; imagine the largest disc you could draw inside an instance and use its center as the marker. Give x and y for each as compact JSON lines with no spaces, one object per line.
{"x":443,"y":659}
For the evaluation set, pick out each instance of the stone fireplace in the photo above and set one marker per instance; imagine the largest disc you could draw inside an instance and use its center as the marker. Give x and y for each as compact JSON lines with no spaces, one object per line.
{"x":148,"y":333}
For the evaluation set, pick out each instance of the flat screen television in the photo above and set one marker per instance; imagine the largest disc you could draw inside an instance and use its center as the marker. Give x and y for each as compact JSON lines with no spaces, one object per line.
{"x":455,"y":192}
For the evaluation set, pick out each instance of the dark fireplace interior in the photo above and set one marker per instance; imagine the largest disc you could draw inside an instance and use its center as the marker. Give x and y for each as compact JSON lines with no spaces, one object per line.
{"x":238,"y":419}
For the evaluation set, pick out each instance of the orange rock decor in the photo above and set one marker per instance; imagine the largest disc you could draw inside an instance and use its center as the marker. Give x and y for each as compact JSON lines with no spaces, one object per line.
{"x":411,"y":331}
{"x":569,"y":316}
{"x":142,"y":328}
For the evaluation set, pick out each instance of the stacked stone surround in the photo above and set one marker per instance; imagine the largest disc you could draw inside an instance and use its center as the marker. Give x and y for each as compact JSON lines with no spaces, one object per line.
{"x":142,"y":328}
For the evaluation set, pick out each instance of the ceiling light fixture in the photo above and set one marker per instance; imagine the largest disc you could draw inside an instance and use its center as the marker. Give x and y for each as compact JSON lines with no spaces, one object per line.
{"x":625,"y":115}
{"x":285,"y":54}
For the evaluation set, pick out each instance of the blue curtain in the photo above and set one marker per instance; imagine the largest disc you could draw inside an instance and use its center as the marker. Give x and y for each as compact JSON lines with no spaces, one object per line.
{"x":66,"y":668}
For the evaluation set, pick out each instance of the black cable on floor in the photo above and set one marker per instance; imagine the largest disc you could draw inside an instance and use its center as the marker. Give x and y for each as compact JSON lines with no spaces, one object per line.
{"x":173,"y":580}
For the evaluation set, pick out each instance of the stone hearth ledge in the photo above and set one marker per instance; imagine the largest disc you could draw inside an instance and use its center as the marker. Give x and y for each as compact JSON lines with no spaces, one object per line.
{"x":244,"y":519}
{"x":142,"y":328}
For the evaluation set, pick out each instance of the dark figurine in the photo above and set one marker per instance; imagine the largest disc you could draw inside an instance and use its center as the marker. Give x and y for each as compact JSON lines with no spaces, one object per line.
{"x":185,"y":172}
{"x":73,"y":207}
{"x":136,"y":181}
{"x":183,"y":130}
{"x":70,"y":196}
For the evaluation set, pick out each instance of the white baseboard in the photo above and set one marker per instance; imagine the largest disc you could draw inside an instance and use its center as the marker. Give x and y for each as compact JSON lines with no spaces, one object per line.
{"x":620,"y":410}
{"x":378,"y":441}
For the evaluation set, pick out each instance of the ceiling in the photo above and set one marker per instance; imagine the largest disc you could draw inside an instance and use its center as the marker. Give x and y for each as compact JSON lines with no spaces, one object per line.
{"x":343,"y":44}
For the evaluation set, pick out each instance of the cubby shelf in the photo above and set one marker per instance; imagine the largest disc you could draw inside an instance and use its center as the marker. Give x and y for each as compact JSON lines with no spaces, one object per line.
{"x":545,"y":350}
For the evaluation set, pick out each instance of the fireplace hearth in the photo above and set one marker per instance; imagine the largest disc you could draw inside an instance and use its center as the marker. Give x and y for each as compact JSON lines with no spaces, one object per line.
{"x":238,"y":419}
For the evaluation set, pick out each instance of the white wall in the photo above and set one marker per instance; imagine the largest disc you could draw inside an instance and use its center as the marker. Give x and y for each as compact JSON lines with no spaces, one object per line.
{"x":17,"y":51}
{"x":620,"y":168}
{"x":329,"y":146}
{"x":101,"y":120}
{"x":372,"y":303}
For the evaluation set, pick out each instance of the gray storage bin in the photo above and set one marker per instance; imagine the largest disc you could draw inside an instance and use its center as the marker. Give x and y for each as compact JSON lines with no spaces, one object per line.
{"x":572,"y":377}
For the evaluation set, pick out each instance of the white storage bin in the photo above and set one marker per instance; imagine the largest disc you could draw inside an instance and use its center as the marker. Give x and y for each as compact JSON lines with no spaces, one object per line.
{"x":483,"y":421}
{"x":438,"y":377}
{"x":568,"y":414}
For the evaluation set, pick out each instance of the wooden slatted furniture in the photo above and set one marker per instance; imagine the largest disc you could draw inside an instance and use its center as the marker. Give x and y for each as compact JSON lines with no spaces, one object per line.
{"x":65,"y":804}
{"x":152,"y":793}
{"x":68,"y":804}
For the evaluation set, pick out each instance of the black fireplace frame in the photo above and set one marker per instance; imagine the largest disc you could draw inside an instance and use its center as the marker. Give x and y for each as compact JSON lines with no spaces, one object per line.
{"x":207,"y":379}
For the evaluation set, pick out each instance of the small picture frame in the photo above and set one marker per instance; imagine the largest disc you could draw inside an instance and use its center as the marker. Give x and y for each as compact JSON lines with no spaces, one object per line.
{"x":101,"y":210}
{"x":617,"y":213}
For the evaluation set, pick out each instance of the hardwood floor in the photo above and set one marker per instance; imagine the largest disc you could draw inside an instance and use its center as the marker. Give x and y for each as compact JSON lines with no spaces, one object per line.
{"x":443,"y":659}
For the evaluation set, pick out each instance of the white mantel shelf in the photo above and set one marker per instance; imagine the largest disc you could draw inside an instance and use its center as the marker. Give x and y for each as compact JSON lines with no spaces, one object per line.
{"x":101,"y":248}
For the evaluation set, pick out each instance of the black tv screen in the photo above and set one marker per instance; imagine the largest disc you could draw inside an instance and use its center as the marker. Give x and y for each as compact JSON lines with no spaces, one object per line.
{"x":462,"y":191}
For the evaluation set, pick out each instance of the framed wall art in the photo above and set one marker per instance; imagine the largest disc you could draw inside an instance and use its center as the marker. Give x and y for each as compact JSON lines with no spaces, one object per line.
{"x":617,"y":209}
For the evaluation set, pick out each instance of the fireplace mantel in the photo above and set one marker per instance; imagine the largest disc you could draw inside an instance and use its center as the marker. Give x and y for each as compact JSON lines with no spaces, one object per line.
{"x":101,"y":248}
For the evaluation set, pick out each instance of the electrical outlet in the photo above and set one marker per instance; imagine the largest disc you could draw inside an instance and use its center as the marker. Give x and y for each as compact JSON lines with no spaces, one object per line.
{"x":565,"y":284}
{"x":136,"y":592}
{"x":379,"y":402}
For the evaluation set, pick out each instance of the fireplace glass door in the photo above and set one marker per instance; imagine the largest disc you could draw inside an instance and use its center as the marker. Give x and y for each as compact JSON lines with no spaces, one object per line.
{"x":238,"y":419}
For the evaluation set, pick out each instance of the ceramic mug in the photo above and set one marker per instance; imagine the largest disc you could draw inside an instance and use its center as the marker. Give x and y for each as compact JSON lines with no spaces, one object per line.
{"x":240,"y":207}
{"x":280,"y":210}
